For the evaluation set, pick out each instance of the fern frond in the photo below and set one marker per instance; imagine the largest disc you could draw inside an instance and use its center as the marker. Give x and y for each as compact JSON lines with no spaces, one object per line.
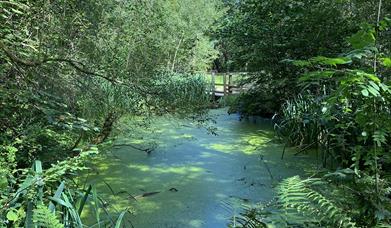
{"x":299,"y":199}
{"x":42,"y":217}
{"x":249,"y":218}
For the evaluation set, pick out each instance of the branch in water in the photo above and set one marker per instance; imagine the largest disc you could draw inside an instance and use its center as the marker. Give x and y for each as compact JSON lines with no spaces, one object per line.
{"x":147,"y":150}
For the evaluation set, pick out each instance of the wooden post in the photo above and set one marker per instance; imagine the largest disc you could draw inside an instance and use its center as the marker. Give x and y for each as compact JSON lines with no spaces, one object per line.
{"x":225,"y":84}
{"x":229,"y":83}
{"x":213,"y":85}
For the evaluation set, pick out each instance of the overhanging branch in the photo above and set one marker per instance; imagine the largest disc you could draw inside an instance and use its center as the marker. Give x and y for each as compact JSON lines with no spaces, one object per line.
{"x":73,"y":63}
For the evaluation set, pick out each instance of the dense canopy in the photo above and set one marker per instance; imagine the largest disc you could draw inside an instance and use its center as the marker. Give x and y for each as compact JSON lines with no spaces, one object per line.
{"x":74,"y":72}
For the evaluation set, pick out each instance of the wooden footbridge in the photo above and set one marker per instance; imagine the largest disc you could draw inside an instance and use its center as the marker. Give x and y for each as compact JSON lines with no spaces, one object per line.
{"x":224,"y":84}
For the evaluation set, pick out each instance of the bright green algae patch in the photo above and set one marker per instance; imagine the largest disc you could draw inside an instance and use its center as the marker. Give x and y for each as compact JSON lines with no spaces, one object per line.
{"x":197,"y":179}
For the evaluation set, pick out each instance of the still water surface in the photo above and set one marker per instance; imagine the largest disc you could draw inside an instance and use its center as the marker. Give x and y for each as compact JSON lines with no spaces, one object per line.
{"x":191,"y":178}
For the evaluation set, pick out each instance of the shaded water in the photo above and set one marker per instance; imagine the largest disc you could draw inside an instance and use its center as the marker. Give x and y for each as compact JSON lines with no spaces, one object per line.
{"x":202,"y":180}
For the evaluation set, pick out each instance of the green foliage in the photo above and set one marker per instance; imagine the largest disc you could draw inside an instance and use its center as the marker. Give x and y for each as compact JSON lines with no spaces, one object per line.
{"x":363,"y":38}
{"x":43,"y":217}
{"x":250,"y":217}
{"x":301,"y":123}
{"x":337,"y":104}
{"x":321,"y":60}
{"x":182,"y":90}
{"x":40,"y":187}
{"x":69,"y":71}
{"x":345,"y":115}
{"x":386,"y":62}
{"x":88,"y":63}
{"x":333,"y":200}
{"x":354,"y":112}
{"x":260,"y":36}
{"x":296,"y":196}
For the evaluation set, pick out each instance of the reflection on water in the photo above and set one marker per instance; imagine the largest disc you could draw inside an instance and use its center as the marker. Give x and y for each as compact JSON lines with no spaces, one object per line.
{"x":198,"y":180}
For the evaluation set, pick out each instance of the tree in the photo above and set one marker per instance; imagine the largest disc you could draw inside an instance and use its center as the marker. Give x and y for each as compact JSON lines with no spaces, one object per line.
{"x":70,"y":69}
{"x":257,"y":36}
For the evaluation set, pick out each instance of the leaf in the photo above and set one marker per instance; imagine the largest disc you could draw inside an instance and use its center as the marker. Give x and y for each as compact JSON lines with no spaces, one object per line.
{"x":57,"y":195}
{"x":317,"y":75}
{"x":72,"y":211}
{"x":386,"y":62}
{"x":384,"y":24}
{"x":38,"y":167}
{"x":374,"y":85}
{"x":362,"y":39}
{"x":61,"y":202}
{"x":84,"y":199}
{"x":384,"y":87}
{"x":380,"y":137}
{"x":12,"y":216}
{"x":359,"y":53}
{"x":360,"y":73}
{"x":119,"y":220}
{"x":29,"y":216}
{"x":365,"y":92}
{"x":330,"y":61}
{"x":27,"y":183}
{"x":96,"y":203}
{"x":373,"y":91}
{"x":16,"y":11}
{"x":42,"y":217}
{"x":3,"y":180}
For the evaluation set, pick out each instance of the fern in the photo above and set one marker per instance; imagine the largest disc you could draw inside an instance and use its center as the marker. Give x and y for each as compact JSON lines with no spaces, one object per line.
{"x":249,"y":218}
{"x":302,"y":204}
{"x":267,"y":214}
{"x":42,"y":217}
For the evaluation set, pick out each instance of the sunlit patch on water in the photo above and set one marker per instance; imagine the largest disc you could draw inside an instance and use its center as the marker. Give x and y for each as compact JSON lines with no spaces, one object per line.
{"x":191,"y":178}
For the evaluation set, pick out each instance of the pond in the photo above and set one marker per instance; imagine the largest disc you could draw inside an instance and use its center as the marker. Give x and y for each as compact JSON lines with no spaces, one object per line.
{"x":192,"y":178}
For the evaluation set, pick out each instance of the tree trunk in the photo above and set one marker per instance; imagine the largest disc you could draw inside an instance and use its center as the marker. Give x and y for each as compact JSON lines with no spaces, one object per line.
{"x":107,"y":128}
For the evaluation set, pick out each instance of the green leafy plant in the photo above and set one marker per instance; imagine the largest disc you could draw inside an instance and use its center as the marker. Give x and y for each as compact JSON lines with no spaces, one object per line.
{"x":344,"y":112}
{"x":43,"y":217}
{"x":296,"y":196}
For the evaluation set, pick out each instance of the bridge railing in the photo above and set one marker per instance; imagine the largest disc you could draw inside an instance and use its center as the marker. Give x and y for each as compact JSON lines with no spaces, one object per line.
{"x":222,"y":84}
